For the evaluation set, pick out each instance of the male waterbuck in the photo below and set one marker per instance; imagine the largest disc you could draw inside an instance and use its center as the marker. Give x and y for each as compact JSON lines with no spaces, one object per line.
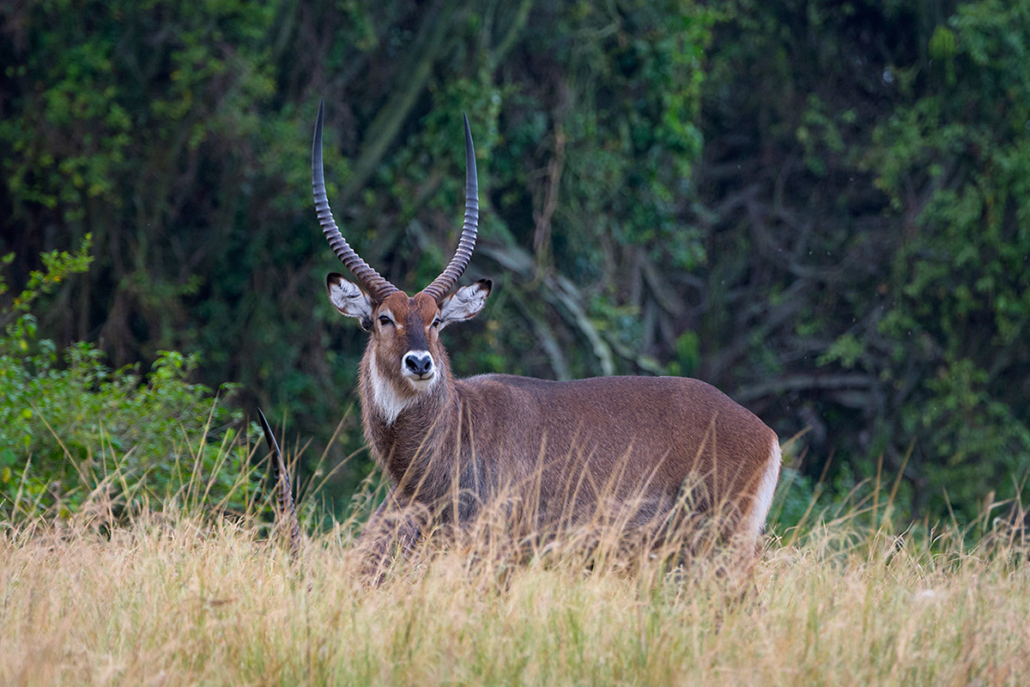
{"x":555,"y":453}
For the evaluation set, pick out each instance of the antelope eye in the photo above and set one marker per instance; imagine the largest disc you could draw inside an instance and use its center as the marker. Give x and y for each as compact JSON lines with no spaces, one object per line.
{"x":384,"y":320}
{"x":436,"y":322}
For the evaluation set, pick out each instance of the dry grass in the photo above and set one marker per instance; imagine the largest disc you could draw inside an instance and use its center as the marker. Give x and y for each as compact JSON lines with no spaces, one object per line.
{"x":177,"y":600}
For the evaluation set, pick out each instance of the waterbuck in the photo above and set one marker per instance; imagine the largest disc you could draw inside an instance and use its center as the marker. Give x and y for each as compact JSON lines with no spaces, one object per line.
{"x":556,"y":453}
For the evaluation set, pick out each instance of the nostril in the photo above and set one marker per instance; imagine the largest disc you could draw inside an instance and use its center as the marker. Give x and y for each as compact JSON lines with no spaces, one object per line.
{"x":424,"y":364}
{"x":412,"y":363}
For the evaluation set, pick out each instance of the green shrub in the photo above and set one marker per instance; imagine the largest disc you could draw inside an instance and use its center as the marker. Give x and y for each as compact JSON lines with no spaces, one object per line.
{"x":70,"y":426}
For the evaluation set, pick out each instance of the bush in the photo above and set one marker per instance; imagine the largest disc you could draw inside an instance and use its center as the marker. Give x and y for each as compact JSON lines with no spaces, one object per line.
{"x":70,"y":428}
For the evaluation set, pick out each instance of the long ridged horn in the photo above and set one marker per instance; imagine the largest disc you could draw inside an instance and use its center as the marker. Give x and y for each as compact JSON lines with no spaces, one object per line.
{"x":373,"y":282}
{"x":284,"y":496}
{"x":442,"y":284}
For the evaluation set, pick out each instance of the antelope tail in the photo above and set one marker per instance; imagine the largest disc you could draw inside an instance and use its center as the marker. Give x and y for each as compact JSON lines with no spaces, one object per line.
{"x":286,"y":512}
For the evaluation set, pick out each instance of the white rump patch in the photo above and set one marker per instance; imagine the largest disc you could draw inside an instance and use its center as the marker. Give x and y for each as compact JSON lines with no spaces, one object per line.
{"x":385,"y":399}
{"x":762,"y":501}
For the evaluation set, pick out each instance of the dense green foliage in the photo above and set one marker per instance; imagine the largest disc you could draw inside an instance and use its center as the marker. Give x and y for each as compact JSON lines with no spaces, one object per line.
{"x":868,"y":167}
{"x":820,"y":207}
{"x":79,"y":430}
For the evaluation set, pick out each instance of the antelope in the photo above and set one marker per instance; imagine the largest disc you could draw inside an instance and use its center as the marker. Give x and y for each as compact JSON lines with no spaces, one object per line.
{"x":451,"y":446}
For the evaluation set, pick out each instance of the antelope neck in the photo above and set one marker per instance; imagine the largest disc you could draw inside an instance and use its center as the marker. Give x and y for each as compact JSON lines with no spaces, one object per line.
{"x":398,"y":437}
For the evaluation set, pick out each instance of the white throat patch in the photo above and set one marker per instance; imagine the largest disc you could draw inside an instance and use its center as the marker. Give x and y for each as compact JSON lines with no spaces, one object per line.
{"x":387,"y":402}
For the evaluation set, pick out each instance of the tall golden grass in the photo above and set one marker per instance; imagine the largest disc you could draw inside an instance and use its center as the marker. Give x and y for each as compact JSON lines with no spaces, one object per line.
{"x":171,"y":596}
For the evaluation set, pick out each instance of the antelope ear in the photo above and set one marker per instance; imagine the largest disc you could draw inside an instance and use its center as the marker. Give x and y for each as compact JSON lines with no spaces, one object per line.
{"x":349,"y":299}
{"x":465,"y":303}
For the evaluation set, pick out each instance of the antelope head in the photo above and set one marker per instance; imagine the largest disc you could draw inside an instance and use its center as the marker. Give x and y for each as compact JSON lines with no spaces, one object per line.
{"x":405,"y":358}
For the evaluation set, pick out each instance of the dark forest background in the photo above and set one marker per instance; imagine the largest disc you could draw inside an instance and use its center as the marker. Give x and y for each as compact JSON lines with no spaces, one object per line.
{"x":821,"y":207}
